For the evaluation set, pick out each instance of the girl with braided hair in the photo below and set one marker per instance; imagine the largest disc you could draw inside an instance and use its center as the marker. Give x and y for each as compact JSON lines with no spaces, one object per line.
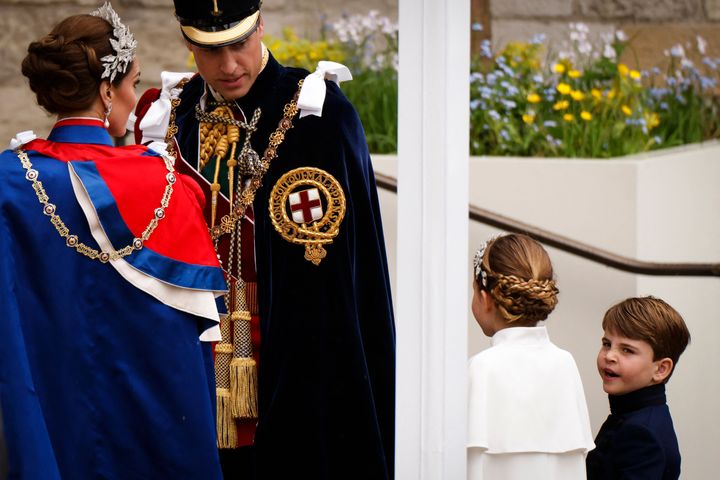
{"x":527,"y":414}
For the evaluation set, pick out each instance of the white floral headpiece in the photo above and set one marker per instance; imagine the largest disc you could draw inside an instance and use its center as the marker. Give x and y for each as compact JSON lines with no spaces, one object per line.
{"x":480,"y":273}
{"x":124,"y":43}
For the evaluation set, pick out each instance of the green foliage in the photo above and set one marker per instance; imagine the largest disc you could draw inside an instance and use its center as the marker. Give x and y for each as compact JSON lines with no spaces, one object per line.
{"x":585,"y":103}
{"x":374,"y":95}
{"x":291,"y":50}
{"x":579,"y":102}
{"x":367,"y":45}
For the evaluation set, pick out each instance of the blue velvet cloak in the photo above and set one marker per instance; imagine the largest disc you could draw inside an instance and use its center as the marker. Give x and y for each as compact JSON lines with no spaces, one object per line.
{"x":97,"y":378}
{"x":327,"y":345}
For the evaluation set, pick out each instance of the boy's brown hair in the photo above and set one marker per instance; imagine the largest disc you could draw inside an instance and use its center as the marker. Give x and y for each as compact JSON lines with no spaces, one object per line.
{"x":652,"y":320}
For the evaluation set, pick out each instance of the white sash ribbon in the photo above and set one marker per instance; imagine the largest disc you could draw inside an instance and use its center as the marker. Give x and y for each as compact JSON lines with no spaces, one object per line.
{"x":21,"y":139}
{"x":312,"y":93}
{"x":155,"y":123}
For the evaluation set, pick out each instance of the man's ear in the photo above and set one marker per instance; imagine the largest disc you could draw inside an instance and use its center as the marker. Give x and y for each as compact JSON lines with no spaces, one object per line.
{"x":663,"y":368}
{"x":261,"y":27}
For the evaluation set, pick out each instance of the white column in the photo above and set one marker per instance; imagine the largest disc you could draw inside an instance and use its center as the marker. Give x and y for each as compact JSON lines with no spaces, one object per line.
{"x":432,"y":264}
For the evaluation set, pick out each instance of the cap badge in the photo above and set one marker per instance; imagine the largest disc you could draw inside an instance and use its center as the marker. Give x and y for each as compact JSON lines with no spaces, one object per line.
{"x":216,"y":11}
{"x":307,"y":206}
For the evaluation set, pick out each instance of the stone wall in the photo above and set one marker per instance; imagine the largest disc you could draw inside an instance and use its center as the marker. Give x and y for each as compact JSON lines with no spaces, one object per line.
{"x":655,"y":25}
{"x":153,"y":24}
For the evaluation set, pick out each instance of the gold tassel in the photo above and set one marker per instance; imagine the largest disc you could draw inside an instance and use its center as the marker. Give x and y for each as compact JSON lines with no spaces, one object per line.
{"x":220,"y":151}
{"x":227,"y":435}
{"x":243,"y":387}
{"x":233,"y":137}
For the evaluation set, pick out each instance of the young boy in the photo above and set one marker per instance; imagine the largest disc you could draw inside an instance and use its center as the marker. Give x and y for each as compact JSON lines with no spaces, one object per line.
{"x":643,"y":340}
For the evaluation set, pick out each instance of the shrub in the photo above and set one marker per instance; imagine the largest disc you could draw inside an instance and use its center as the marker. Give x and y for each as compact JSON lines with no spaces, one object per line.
{"x":584,"y":102}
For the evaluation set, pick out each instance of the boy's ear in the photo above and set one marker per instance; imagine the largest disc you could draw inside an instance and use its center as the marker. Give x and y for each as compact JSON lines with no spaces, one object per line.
{"x":663,"y":368}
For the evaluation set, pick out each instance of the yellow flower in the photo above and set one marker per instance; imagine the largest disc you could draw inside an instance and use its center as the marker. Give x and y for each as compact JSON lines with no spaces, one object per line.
{"x":626,"y":110}
{"x":611,"y":93}
{"x":575,"y":74}
{"x":622,"y":69}
{"x":528,"y":118}
{"x":561,"y":105}
{"x":577,"y":95}
{"x":653,"y":120}
{"x":597,"y":94}
{"x":635,"y":75}
{"x":569,"y":117}
{"x":533,"y":98}
{"x":564,"y":88}
{"x":559,"y":68}
{"x":587,"y":116}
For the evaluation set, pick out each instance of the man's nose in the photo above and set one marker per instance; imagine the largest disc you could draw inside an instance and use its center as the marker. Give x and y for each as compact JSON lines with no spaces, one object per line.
{"x":228,"y":64}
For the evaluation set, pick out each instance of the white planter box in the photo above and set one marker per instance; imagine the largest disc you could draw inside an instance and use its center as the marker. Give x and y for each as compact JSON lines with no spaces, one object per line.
{"x":661,"y":207}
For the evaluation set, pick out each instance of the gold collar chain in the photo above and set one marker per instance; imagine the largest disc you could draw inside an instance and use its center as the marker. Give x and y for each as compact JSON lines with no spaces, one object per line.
{"x":246,"y":197}
{"x":73,"y":241}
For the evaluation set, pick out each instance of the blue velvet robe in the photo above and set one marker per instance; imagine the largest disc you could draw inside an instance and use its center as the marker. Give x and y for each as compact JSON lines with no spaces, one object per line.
{"x":98,"y":379}
{"x":327,"y":344}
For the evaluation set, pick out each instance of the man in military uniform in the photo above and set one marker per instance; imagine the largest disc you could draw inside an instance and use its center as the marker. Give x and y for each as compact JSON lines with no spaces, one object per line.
{"x":292,"y":205}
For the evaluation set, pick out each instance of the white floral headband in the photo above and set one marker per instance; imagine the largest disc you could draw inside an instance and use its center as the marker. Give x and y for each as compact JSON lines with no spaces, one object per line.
{"x":124,"y":43}
{"x":480,"y":273}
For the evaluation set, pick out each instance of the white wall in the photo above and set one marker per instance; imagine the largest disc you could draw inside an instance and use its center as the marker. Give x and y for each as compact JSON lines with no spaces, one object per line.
{"x":663,"y":208}
{"x":679,"y":221}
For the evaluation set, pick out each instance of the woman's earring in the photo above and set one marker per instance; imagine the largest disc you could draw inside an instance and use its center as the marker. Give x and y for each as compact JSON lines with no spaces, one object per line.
{"x":107,"y":114}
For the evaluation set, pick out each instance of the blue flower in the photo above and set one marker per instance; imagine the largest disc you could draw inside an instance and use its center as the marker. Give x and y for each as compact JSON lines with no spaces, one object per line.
{"x":485,"y":49}
{"x":709,"y":62}
{"x":707,"y":83}
{"x":538,"y":39}
{"x":657,"y":92}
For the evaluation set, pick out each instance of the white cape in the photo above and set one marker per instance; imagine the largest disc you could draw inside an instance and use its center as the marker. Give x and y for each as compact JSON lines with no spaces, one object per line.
{"x":525,"y":395}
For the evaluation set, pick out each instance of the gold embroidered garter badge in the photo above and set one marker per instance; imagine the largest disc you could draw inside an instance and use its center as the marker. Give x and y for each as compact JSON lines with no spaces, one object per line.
{"x":307,"y":206}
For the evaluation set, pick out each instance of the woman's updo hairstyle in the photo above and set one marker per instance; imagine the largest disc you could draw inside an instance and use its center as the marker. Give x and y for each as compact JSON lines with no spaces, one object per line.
{"x":64,"y":67}
{"x":519,"y":277}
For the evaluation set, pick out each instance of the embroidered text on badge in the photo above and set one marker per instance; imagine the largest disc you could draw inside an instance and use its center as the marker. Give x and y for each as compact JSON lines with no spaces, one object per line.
{"x":306,"y":207}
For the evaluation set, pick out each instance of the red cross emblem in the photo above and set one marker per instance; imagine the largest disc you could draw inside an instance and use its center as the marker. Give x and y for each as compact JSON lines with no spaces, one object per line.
{"x":305,"y":206}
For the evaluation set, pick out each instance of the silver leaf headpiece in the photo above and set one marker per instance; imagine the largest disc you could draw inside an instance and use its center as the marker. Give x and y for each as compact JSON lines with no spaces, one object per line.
{"x":480,"y":273}
{"x":124,"y":43}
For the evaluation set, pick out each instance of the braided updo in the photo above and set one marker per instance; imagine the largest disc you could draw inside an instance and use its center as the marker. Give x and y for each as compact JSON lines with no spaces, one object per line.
{"x":64,"y":67}
{"x":519,"y":278}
